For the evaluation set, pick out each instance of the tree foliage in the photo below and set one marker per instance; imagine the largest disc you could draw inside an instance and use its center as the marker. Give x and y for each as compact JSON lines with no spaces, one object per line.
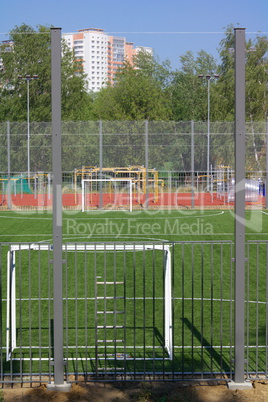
{"x":256,"y":77}
{"x":31,"y":54}
{"x":146,"y":89}
{"x":188,"y":92}
{"x":139,"y":92}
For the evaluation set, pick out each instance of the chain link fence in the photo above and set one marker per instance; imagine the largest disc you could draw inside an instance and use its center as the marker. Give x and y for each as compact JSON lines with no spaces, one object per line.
{"x":123,"y":144}
{"x":162,"y":157}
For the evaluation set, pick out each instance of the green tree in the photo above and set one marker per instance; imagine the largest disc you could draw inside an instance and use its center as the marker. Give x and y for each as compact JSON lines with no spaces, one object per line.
{"x":31,"y":54}
{"x":188,"y":92}
{"x":139,"y":93}
{"x":256,"y":66}
{"x":256,"y":77}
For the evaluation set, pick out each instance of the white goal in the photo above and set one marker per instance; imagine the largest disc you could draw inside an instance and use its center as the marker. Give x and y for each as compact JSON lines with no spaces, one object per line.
{"x":109,"y":193}
{"x":39,"y":253}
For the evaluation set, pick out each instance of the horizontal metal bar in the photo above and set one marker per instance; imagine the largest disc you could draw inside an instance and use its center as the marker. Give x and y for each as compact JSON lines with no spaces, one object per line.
{"x":110,"y":326}
{"x":109,"y":283}
{"x":110,"y":312}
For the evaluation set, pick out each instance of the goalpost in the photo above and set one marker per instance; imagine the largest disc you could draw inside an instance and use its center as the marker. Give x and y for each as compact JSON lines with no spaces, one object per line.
{"x":114,"y":193}
{"x":12,"y":296}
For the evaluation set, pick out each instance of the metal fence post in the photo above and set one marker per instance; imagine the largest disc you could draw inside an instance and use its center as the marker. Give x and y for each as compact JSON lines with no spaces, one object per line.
{"x":146,"y":165}
{"x":57,"y":210}
{"x":192,"y":162}
{"x":266,"y":182}
{"x":208,"y":139}
{"x":8,"y":168}
{"x":239,"y":205}
{"x":101,"y":163}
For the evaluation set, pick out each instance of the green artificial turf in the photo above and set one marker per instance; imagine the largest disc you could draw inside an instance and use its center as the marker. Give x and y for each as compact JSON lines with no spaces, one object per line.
{"x":202,"y":290}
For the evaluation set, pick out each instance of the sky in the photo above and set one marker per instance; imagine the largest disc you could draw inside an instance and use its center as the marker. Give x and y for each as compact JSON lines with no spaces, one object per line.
{"x":170,"y":27}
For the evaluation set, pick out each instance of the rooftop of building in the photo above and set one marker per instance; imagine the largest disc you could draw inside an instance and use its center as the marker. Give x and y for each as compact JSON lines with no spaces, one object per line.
{"x":91,"y":29}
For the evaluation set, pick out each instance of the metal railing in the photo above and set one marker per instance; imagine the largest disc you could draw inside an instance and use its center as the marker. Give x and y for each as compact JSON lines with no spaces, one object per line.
{"x":256,"y":283}
{"x":132,"y":311}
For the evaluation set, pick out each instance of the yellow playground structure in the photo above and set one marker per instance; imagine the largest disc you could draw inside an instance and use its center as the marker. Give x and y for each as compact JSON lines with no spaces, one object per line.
{"x":138,"y":174}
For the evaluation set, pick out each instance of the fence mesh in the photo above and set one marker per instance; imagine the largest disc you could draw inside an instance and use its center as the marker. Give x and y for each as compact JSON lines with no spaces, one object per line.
{"x":161,"y":157}
{"x":123,"y":144}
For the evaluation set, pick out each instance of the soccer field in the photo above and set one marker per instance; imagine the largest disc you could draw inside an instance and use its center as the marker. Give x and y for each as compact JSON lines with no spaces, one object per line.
{"x":115,"y":301}
{"x":131,"y":226}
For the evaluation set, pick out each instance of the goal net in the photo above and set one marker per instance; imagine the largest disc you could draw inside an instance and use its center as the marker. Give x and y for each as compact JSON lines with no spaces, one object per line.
{"x":108,"y":193}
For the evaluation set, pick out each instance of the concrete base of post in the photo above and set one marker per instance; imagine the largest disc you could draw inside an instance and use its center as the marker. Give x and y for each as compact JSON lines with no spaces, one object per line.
{"x":65,"y":387}
{"x":239,"y":385}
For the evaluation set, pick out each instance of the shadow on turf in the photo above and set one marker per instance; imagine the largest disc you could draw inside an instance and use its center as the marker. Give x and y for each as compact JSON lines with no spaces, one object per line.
{"x":218,"y":359}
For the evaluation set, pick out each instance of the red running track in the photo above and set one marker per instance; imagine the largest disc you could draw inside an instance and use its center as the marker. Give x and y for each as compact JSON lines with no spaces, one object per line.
{"x":179,"y":200}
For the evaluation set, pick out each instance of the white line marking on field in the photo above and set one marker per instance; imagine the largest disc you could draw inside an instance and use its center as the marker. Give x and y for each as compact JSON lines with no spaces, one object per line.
{"x":117,"y":237}
{"x":141,"y":298}
{"x":203,"y":215}
{"x":159,"y":234}
{"x":23,"y":235}
{"x":265,"y":213}
{"x":141,"y":235}
{"x":25,"y":217}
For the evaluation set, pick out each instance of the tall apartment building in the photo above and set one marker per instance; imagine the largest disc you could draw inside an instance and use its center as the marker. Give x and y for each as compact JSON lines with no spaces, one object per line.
{"x":101,"y":54}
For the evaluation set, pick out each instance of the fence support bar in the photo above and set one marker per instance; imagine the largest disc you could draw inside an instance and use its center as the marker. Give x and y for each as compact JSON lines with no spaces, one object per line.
{"x":146,"y":165}
{"x":101,"y":163}
{"x":239,"y":205}
{"x":266,"y":181}
{"x":57,"y":211}
{"x":9,"y":206}
{"x":192,"y":163}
